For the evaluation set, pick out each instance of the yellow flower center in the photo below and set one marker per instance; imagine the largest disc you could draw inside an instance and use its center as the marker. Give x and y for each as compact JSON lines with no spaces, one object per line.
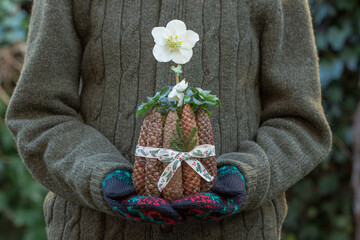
{"x":173,"y":43}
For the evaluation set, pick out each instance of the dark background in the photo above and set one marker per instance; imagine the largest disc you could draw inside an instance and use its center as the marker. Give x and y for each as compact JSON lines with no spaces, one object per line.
{"x":320,"y":205}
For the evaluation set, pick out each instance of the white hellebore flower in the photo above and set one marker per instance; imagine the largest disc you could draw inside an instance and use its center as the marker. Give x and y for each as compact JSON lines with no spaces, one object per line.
{"x":174,"y":42}
{"x":177,"y":93}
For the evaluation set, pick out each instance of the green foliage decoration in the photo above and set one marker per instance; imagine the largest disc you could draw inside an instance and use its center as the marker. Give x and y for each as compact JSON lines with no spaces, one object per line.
{"x":181,"y":143}
{"x":193,"y":96}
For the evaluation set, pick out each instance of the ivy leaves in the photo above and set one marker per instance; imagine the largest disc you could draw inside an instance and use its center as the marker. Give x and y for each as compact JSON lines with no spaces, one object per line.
{"x":198,"y":97}
{"x":156,"y":100}
{"x":193,"y":96}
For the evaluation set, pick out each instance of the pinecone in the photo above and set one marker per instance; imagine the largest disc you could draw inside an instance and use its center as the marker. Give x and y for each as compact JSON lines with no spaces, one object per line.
{"x":153,"y":167}
{"x":138,"y":176}
{"x":174,"y":189}
{"x":191,"y":179}
{"x":206,"y":137}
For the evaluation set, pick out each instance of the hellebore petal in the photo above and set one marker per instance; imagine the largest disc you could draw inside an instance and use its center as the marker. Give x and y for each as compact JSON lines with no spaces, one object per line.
{"x":160,"y":35}
{"x":180,"y":98}
{"x":189,"y":39}
{"x":181,"y":102}
{"x":162,"y":53}
{"x":172,"y":95}
{"x":182,"y":56}
{"x":176,"y":26}
{"x":182,"y":86}
{"x":177,"y":93}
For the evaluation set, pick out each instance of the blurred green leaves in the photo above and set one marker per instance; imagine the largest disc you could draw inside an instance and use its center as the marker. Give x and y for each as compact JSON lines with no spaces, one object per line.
{"x":320,"y":205}
{"x":14,"y":22}
{"x":21,"y":197}
{"x":337,"y":27}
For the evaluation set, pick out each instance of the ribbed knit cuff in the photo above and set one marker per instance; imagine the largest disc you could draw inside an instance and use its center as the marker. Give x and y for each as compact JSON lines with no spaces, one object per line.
{"x":253,"y":164}
{"x":98,"y":175}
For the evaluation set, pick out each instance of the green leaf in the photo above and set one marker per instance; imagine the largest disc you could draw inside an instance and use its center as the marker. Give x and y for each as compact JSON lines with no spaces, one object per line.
{"x":337,"y":36}
{"x":330,"y":69}
{"x":164,"y":91}
{"x":156,"y":98}
{"x":177,"y":69}
{"x":143,"y":108}
{"x":218,"y":103}
{"x":207,"y":111}
{"x":190,"y":91}
{"x":187,"y":99}
{"x":197,"y":101}
{"x":207,"y":92}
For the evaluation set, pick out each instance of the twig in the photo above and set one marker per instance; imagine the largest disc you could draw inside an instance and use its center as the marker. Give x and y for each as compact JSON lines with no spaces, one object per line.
{"x":4,"y":97}
{"x":341,"y":145}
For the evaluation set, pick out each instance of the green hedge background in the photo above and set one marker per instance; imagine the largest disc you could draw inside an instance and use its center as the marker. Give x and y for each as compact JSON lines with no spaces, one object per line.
{"x":320,"y":205}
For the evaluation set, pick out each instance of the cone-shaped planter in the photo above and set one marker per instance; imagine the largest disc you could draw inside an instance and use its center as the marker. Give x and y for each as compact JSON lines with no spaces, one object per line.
{"x":158,"y":131}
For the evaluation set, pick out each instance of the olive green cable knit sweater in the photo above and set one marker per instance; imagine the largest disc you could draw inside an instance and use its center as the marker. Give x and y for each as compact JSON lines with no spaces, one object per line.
{"x":258,"y":56}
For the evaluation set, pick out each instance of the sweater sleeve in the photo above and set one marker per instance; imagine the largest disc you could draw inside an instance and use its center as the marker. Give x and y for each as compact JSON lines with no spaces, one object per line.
{"x":64,"y":154}
{"x":294,"y":135}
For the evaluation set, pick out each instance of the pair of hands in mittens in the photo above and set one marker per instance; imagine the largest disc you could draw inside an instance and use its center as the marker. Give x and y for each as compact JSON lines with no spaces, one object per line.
{"x":225,"y":198}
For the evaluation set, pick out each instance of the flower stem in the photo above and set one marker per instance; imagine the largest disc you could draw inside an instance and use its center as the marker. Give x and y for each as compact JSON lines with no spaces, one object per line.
{"x":176,"y":75}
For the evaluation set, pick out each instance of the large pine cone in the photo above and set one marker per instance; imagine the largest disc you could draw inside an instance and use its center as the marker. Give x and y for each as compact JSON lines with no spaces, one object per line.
{"x":206,"y":137}
{"x":153,"y":167}
{"x":174,"y":188}
{"x":191,"y":180}
{"x":138,"y":176}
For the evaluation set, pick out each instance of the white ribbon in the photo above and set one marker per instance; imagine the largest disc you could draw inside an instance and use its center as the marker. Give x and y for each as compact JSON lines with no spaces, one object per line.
{"x":175,"y":158}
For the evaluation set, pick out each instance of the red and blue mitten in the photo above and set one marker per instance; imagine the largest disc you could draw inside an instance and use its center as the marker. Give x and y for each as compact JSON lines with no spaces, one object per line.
{"x":120,"y":195}
{"x":225,"y":199}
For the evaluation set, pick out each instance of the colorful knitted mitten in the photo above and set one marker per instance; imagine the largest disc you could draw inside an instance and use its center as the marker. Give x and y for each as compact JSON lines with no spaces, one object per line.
{"x":225,"y":199}
{"x":120,"y":195}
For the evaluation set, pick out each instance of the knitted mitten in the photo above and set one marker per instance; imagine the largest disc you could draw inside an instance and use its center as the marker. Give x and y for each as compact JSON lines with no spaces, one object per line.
{"x":225,"y":199}
{"x":120,"y":195}
{"x":200,"y":206}
{"x":231,"y":186}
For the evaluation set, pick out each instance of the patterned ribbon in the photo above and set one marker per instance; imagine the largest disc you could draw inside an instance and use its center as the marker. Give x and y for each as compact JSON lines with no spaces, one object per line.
{"x":175,"y":158}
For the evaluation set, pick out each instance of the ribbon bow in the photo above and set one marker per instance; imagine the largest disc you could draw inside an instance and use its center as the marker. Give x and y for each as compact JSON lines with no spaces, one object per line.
{"x":175,"y":158}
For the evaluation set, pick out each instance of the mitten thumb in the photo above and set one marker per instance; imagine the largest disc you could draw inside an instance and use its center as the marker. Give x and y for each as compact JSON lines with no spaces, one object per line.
{"x":117,"y":185}
{"x":230,"y":182}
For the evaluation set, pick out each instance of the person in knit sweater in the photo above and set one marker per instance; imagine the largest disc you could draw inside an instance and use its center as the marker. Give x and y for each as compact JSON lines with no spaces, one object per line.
{"x":89,"y":64}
